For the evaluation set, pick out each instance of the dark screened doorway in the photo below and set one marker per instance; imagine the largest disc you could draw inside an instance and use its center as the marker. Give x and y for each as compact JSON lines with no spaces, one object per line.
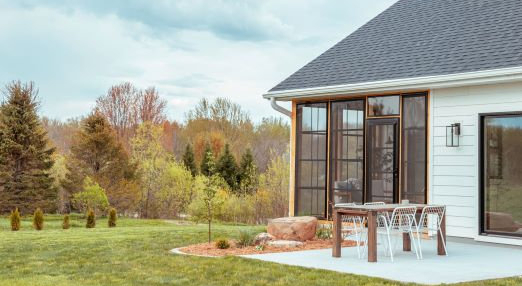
{"x":382,"y":160}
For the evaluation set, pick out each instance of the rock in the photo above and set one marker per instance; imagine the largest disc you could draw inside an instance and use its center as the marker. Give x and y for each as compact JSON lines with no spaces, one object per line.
{"x":263,"y":238}
{"x":293,"y":228}
{"x":285,"y":243}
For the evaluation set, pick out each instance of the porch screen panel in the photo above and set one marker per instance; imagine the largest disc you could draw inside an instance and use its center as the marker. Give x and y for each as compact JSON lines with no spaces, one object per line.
{"x":413,"y":181}
{"x":501,"y":176}
{"x":311,"y":159}
{"x":347,"y":151}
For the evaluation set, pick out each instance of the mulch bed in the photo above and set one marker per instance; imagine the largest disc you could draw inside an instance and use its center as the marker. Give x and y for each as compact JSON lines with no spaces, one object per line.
{"x":210,"y":249}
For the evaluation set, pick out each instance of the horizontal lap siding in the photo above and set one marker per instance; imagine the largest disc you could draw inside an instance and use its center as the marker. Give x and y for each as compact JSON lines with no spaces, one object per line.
{"x":454,"y":171}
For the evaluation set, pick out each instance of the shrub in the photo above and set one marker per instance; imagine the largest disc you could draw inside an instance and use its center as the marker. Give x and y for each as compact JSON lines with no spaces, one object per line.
{"x":38,"y":219}
{"x":91,"y":219}
{"x":15,"y":220}
{"x":91,"y":197}
{"x":246,"y":238}
{"x":65,"y":223}
{"x":112,"y":217}
{"x":324,"y":232}
{"x":222,"y":243}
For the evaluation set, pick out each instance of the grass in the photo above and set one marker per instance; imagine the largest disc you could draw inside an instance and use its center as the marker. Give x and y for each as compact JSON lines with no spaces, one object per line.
{"x":136,"y":253}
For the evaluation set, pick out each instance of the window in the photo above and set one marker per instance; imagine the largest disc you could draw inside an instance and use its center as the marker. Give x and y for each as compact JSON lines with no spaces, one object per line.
{"x":383,"y":105}
{"x":347,"y":151}
{"x":311,"y":159}
{"x":413,"y":171}
{"x":501,"y":182}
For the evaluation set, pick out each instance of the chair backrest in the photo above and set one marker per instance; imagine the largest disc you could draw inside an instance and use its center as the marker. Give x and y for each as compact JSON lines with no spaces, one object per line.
{"x":403,"y":217}
{"x":433,"y":214}
{"x":346,"y":218}
{"x":374,"y":203}
{"x":345,"y":205}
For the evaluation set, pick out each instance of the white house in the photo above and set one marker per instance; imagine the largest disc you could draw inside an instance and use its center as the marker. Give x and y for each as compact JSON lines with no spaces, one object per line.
{"x":423,"y":102}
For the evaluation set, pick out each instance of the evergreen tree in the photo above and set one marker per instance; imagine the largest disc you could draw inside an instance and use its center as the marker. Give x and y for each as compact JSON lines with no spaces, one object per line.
{"x":96,"y":153}
{"x":208,"y":165}
{"x":188,"y":160}
{"x":25,"y":155}
{"x":227,"y":168}
{"x":247,"y":173}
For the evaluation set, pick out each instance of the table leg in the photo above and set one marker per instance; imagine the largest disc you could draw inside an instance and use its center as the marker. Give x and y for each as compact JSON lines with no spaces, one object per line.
{"x":336,"y":250}
{"x":441,"y":233}
{"x":406,"y":242}
{"x":372,"y":236}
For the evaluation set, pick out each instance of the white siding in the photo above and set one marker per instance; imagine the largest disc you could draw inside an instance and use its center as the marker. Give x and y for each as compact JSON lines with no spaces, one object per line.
{"x":454,"y":171}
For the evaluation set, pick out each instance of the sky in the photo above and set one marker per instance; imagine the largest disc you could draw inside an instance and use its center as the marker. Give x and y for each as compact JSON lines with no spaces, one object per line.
{"x":75,"y":50}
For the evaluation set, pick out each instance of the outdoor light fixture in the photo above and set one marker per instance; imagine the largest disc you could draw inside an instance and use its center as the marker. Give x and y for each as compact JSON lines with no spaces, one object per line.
{"x":452,"y":135}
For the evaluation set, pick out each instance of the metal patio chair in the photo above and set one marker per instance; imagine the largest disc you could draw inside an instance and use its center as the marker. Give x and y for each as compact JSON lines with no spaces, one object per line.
{"x":350,"y":228}
{"x":401,"y":221}
{"x":430,"y":220}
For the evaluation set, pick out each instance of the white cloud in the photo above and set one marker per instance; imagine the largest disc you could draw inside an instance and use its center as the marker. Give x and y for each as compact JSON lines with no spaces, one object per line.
{"x":75,"y":50}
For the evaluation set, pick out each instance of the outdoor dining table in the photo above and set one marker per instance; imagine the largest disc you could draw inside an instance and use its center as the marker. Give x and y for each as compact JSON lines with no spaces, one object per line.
{"x":370,"y":212}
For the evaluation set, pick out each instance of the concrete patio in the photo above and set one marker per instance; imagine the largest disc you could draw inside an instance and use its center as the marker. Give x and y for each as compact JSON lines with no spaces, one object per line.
{"x":467,"y":261}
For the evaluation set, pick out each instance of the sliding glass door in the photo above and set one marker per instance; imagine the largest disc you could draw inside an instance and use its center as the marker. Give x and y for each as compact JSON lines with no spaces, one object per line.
{"x":347,"y":152}
{"x":311,"y":159}
{"x":501,"y":174}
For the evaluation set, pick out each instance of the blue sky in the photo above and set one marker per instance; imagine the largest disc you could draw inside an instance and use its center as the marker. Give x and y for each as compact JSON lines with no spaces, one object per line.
{"x":75,"y":50}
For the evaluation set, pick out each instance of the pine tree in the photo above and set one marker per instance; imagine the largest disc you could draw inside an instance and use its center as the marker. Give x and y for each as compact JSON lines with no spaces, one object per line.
{"x":227,"y":168}
{"x":247,"y":173}
{"x":96,"y":153}
{"x":25,"y":155}
{"x":188,"y":160}
{"x":208,"y":165}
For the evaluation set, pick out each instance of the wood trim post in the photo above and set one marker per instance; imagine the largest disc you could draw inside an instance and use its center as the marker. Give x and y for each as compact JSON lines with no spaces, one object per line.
{"x":293,"y":146}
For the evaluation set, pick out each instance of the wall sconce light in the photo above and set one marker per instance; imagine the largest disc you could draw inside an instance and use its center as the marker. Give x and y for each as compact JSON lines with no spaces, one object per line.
{"x":452,"y":135}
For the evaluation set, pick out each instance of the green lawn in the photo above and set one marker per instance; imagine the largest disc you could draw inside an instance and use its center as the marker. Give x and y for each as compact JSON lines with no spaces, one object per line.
{"x":136,"y":253}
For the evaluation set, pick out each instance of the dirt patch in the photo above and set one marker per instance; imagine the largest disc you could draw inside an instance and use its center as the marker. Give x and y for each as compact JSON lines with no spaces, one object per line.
{"x":209,"y":249}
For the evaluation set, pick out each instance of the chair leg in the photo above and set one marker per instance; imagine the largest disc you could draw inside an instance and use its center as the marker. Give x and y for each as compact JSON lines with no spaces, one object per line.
{"x":419,"y":244}
{"x":389,"y":244}
{"x":357,"y":239}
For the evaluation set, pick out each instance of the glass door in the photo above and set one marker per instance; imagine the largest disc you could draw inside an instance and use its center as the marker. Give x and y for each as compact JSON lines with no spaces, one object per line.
{"x":382,"y":160}
{"x":501,"y":186}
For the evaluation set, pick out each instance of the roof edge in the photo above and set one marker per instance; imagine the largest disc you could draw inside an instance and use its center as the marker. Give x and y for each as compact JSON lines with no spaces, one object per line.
{"x":416,"y":83}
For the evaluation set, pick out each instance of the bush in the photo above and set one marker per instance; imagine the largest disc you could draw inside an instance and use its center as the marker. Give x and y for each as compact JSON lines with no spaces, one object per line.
{"x":91,"y":197}
{"x":324,"y":232}
{"x":112,"y":217}
{"x":65,"y":223}
{"x":15,"y":220}
{"x":91,"y":219}
{"x":246,"y":238}
{"x":222,"y":243}
{"x":38,"y":219}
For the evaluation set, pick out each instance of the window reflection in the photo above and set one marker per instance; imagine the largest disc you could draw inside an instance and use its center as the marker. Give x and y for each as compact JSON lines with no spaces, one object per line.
{"x":502,"y":182}
{"x":383,"y":105}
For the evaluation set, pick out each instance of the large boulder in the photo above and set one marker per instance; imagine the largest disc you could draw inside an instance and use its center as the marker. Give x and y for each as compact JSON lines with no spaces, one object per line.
{"x":293,"y":228}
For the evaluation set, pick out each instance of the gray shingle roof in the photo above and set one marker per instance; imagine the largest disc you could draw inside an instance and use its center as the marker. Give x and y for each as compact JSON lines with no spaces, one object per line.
{"x":416,"y":38}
